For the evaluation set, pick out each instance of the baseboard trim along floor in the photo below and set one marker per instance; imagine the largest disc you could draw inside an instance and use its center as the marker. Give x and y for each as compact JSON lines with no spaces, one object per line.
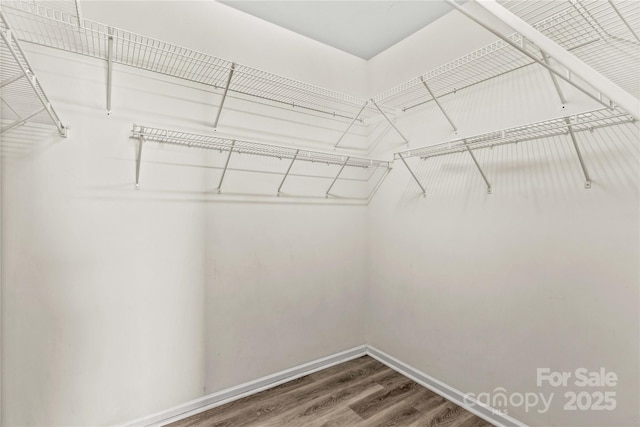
{"x":456,"y":396}
{"x":222,"y":397}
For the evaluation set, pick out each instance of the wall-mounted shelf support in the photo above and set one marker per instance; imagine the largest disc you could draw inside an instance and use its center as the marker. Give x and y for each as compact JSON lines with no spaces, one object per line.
{"x":138,"y":160}
{"x":444,"y":113}
{"x":79,"y":13}
{"x":550,"y":47}
{"x":351,"y":124}
{"x":390,"y":122}
{"x":568,"y":60}
{"x":554,"y":79}
{"x":424,"y":192}
{"x":336,"y":177}
{"x":30,"y":96}
{"x":295,"y":156}
{"x":236,"y":146}
{"x":224,"y":94}
{"x":226,"y":165}
{"x":587,"y":178}
{"x":484,"y":177}
{"x":109,"y":69}
{"x":558,"y":127}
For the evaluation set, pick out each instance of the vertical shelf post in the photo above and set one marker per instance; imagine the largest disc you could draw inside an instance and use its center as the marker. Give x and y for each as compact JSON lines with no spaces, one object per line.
{"x":226,"y":165}
{"x":139,"y":159}
{"x":224,"y":94}
{"x":350,"y":124}
{"x":336,"y":178}
{"x":109,"y":69}
{"x":295,"y":156}
{"x":390,"y":122}
{"x":79,"y":14}
{"x":424,"y":192}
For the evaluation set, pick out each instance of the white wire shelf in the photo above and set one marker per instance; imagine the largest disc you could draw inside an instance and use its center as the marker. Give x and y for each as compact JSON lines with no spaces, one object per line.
{"x":252,"y":148}
{"x":576,"y":123}
{"x":602,"y":35}
{"x":53,"y":28}
{"x":22,"y":98}
{"x":236,"y":146}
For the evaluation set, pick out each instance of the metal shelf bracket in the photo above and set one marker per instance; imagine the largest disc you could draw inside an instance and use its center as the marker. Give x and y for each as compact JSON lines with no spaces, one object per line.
{"x":337,"y":176}
{"x":444,"y":113}
{"x":484,"y":177}
{"x":390,"y":122}
{"x":226,"y":165}
{"x":587,"y":178}
{"x":424,"y":192}
{"x":109,"y":69}
{"x":350,"y":124}
{"x":138,"y":160}
{"x":224,"y":94}
{"x":295,"y":156}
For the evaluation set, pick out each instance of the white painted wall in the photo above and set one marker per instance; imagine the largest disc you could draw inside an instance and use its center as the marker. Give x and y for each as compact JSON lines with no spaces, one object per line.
{"x":117,"y":304}
{"x":480,"y":290}
{"x":120,"y":303}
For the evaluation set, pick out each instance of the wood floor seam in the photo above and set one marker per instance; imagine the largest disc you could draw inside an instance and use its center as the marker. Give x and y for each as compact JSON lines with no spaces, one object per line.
{"x":361,"y":392}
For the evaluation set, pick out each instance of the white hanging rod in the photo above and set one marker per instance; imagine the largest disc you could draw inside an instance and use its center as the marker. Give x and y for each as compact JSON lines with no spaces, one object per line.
{"x":581,"y":122}
{"x":252,"y":148}
{"x":43,"y":26}
{"x":566,"y":26}
{"x":21,"y":91}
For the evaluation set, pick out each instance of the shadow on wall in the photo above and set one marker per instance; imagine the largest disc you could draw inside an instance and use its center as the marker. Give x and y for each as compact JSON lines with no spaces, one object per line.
{"x":542,"y":168}
{"x":23,"y":141}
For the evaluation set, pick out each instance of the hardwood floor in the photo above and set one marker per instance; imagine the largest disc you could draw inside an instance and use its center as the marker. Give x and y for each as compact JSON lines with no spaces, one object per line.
{"x":361,"y":392}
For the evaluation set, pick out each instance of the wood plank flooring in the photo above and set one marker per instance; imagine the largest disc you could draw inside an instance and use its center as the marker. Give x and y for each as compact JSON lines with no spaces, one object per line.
{"x":361,"y":392}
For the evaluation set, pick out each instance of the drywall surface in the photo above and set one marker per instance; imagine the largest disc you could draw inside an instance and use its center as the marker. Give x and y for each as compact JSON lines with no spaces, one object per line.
{"x":120,"y":303}
{"x":481,"y":290}
{"x":285,"y":285}
{"x":103,"y":318}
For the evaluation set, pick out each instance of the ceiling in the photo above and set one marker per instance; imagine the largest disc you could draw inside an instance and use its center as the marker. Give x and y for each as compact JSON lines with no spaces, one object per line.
{"x":361,"y":28}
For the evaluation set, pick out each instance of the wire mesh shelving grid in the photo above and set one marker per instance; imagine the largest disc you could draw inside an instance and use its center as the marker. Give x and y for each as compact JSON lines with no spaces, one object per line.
{"x":560,"y":126}
{"x":251,"y":148}
{"x":601,"y":33}
{"x":53,"y":28}
{"x":605,"y":34}
{"x":21,"y":96}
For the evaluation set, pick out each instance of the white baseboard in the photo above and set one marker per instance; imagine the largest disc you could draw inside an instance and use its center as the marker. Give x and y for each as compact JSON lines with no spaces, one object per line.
{"x":219,"y":398}
{"x":456,"y":396}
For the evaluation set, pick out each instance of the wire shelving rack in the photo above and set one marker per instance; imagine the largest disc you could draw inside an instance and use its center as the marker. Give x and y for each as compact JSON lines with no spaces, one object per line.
{"x":22,"y":98}
{"x":57,"y":29}
{"x":604,"y":34}
{"x":237,"y":146}
{"x":567,"y":125}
